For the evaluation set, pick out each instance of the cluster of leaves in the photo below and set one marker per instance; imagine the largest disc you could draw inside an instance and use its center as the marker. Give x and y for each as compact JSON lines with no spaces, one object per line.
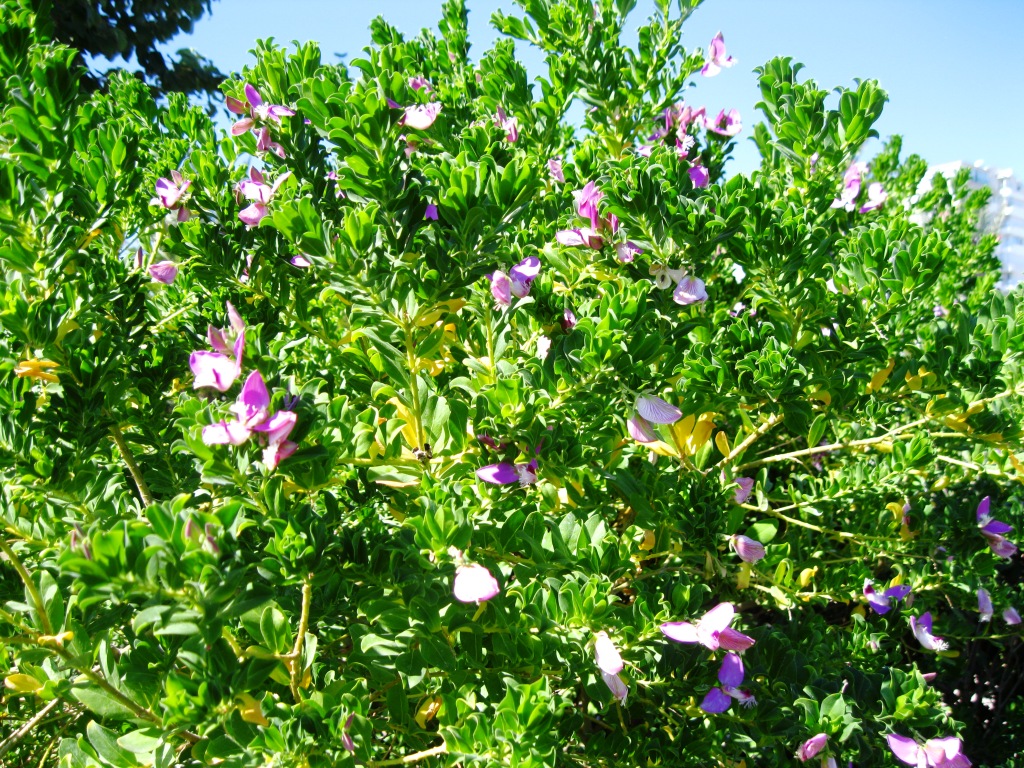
{"x":172,"y":602}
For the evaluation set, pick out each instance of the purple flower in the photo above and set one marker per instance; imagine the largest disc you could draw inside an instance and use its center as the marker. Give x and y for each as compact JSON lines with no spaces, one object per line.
{"x":213,"y":369}
{"x":750,"y":551}
{"x":301,"y":262}
{"x":811,"y":747}
{"x":431,"y":213}
{"x":257,"y":110}
{"x":253,"y":404}
{"x":627,"y":251}
{"x":690,"y":290}
{"x":711,"y":630}
{"x":568,"y":321}
{"x":508,"y":124}
{"x":746,"y":487}
{"x":876,"y":196}
{"x":985,"y":605}
{"x":418,"y":82}
{"x":993,"y":531}
{"x":163,"y":272}
{"x":641,"y":430}
{"x":501,"y":288}
{"x":474,"y":584}
{"x":940,"y":311}
{"x":522,"y":275}
{"x":684,"y":143}
{"x":505,"y":473}
{"x":656,"y":410}
{"x":1010,"y":616}
{"x":881,"y":603}
{"x":730,"y":675}
{"x":726,"y":124}
{"x":606,"y":654}
{"x":555,"y":169}
{"x":851,"y":187}
{"x":716,"y":702}
{"x":699,"y":176}
{"x":922,"y":629}
{"x":717,"y":58}
{"x":346,"y":738}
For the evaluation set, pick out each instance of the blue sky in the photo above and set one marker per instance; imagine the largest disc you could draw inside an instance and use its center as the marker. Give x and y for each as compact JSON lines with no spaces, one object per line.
{"x":954,"y":70}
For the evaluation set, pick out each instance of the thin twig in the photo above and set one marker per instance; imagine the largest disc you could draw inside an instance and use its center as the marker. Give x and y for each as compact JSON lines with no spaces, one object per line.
{"x":415,"y":757}
{"x":30,"y":585}
{"x":12,"y":741}
{"x":129,"y":460}
{"x":774,"y":419}
{"x":295,"y":657}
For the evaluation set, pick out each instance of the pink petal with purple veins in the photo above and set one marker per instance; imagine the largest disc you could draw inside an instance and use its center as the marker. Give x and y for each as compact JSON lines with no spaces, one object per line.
{"x":242,"y":126}
{"x":906,"y":749}
{"x":656,"y":410}
{"x":680,"y":631}
{"x":163,"y":272}
{"x":641,"y":430}
{"x":235,"y":106}
{"x":746,"y":487}
{"x":732,"y":640}
{"x":618,"y":688}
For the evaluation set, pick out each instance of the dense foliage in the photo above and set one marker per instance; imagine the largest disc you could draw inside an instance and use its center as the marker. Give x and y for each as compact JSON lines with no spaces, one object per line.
{"x":408,"y":424}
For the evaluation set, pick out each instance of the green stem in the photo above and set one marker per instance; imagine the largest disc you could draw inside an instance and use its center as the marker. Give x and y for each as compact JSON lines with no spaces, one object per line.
{"x":133,"y":467}
{"x":30,"y":585}
{"x":295,"y":657}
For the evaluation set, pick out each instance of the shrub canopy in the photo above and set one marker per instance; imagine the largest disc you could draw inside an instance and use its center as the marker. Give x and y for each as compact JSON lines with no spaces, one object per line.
{"x":410,"y":423}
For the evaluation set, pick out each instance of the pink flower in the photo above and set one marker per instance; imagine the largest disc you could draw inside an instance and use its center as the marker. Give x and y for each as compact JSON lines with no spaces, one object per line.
{"x":690,"y":290}
{"x":587,"y":200}
{"x":584,"y":236}
{"x":254,"y":188}
{"x":641,"y":430}
{"x":746,"y":487}
{"x":985,"y":605}
{"x":501,"y":288}
{"x":725,"y":124}
{"x":851,"y":187}
{"x":474,"y":584}
{"x":922,"y":629}
{"x":876,"y":196}
{"x":555,"y":169}
{"x":711,"y":630}
{"x":213,"y":369}
{"x":749,"y":550}
{"x":699,"y":176}
{"x":265,"y":144}
{"x":618,"y":688}
{"x":508,"y":124}
{"x":163,"y":272}
{"x":170,"y":191}
{"x":717,"y":58}
{"x":881,"y":603}
{"x":1010,"y":616}
{"x":257,"y":110}
{"x":418,"y":82}
{"x":218,"y":337}
{"x":418,"y":116}
{"x":522,"y":275}
{"x":811,"y":747}
{"x":606,"y":654}
{"x":934,"y":753}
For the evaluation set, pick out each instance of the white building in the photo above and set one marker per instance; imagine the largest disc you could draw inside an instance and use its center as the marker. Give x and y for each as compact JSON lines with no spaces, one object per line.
{"x":1004,"y":215}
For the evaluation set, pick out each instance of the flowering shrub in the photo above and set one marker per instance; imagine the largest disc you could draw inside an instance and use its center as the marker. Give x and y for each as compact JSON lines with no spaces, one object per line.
{"x":403,"y":423}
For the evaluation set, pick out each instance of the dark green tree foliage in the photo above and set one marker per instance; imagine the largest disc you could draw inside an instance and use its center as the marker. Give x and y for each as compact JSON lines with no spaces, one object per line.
{"x":166,"y":601}
{"x":135,"y":28}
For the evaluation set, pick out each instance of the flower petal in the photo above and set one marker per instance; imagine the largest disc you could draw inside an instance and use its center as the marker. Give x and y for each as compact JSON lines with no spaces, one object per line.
{"x":498,"y":474}
{"x":716,"y":701}
{"x":606,"y":654}
{"x":905,"y":748}
{"x":656,"y":410}
{"x":731,"y":673}
{"x":680,"y":631}
{"x":474,"y":583}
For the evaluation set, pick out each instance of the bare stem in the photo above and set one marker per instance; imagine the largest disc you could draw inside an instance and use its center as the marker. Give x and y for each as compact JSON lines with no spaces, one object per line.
{"x":295,"y":657}
{"x":827,"y":448}
{"x":774,"y":419}
{"x":129,"y":460}
{"x":415,"y":757}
